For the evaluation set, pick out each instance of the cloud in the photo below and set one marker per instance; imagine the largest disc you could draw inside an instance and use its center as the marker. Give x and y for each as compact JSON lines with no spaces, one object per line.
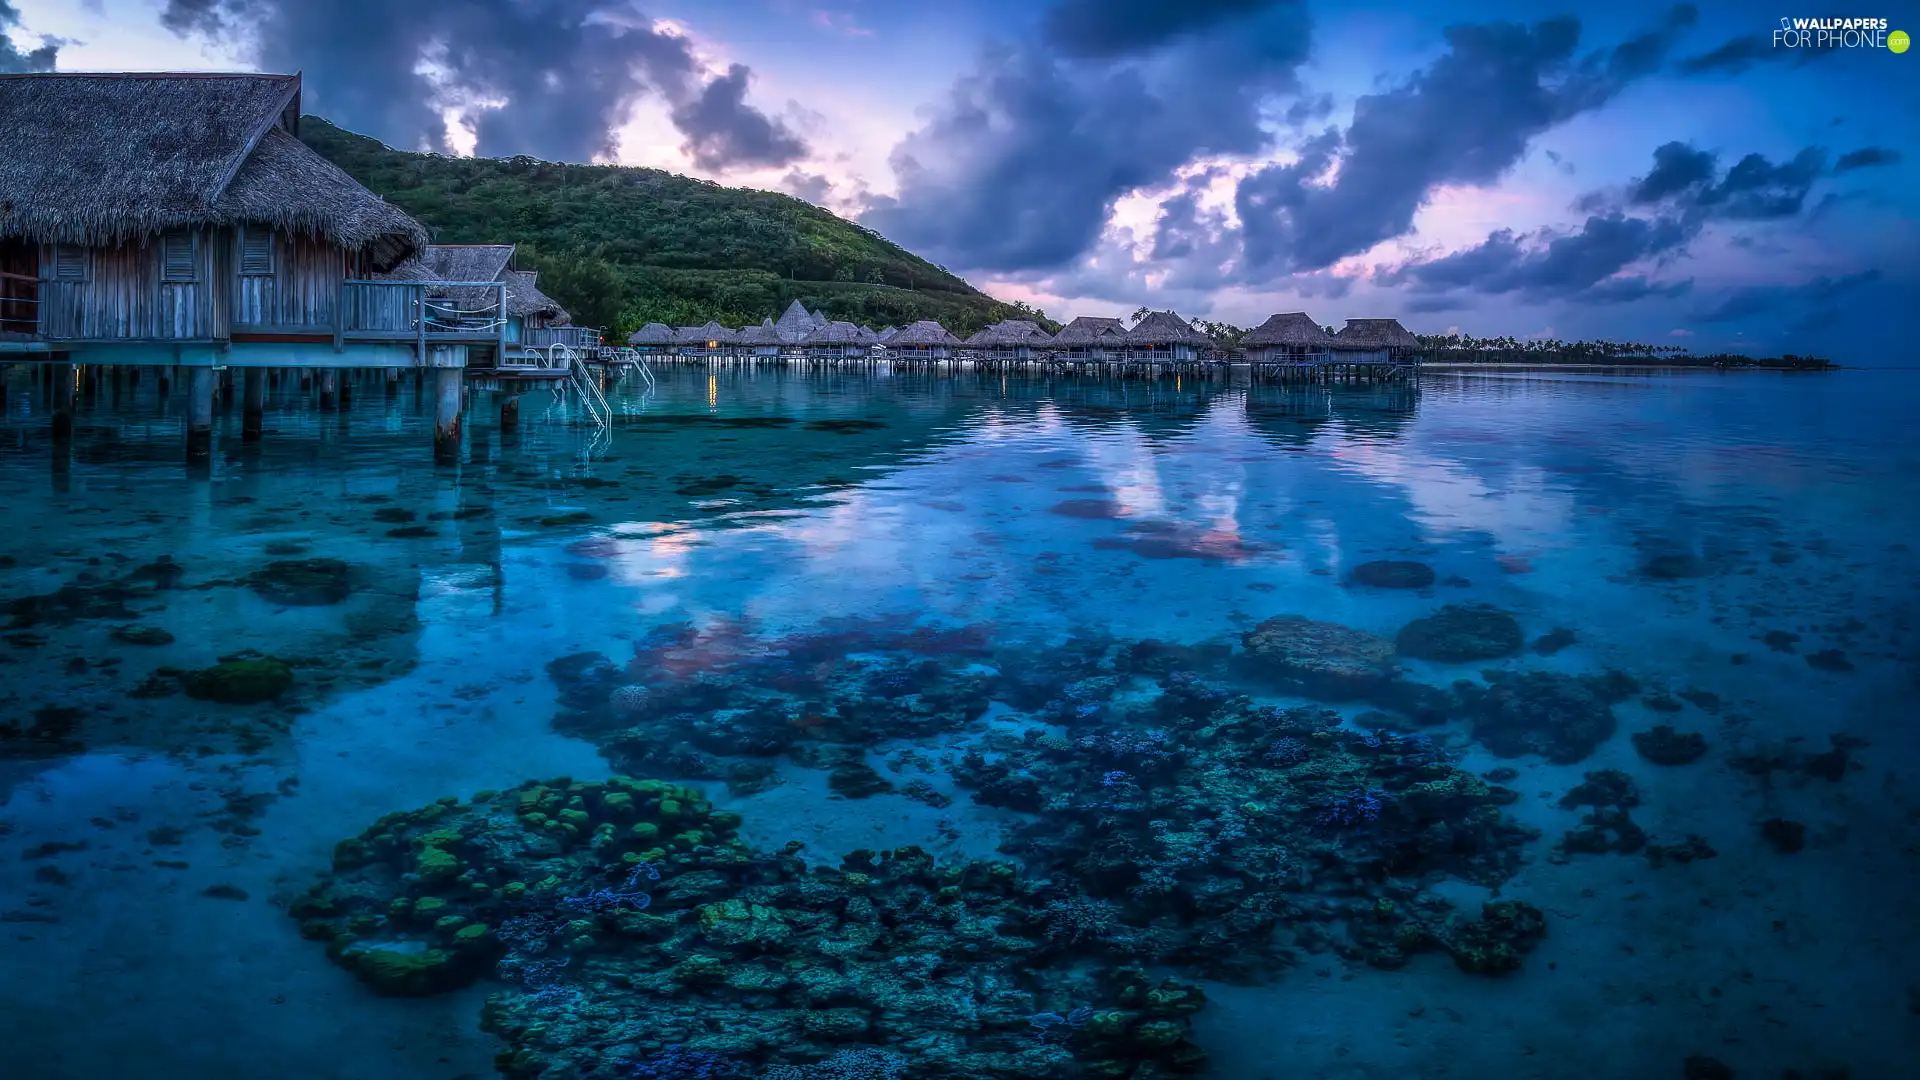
{"x":12,"y":60}
{"x":1548,"y":265}
{"x":1019,"y":166}
{"x":551,"y":78}
{"x":1748,"y":50}
{"x":1865,"y":158}
{"x":1806,"y":303}
{"x":1465,"y":119}
{"x":723,"y":131}
{"x":1677,"y":167}
{"x":1754,"y":189}
{"x":1110,"y":28}
{"x":813,"y":187}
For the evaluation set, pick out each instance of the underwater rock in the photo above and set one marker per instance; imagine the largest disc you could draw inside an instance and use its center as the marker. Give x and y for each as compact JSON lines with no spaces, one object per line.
{"x":1692,"y":849}
{"x":52,"y":730}
{"x":141,"y":635}
{"x":1700,"y":1067}
{"x":1609,"y":826}
{"x":1560,"y":717}
{"x":1461,"y":632}
{"x":244,"y":680}
{"x":1553,"y":641}
{"x":857,"y":780}
{"x":1786,"y":836}
{"x":1673,"y":566}
{"x":1494,"y":943}
{"x":1663,"y":745}
{"x":1394,"y":574}
{"x":1829,"y":660}
{"x":1320,"y":660}
{"x":303,"y":582}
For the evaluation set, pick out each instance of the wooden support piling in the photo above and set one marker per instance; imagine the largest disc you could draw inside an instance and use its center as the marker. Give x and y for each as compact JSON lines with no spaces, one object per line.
{"x":62,"y":375}
{"x":200,"y":384}
{"x":253,"y":408}
{"x":448,"y":392}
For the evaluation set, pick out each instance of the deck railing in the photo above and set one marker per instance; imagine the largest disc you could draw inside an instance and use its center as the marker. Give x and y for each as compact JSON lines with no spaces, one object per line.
{"x":19,"y":305}
{"x":573,"y":337}
{"x":422,"y":312}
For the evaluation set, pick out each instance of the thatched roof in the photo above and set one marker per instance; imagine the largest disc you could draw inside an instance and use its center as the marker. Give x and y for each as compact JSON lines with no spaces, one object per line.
{"x":820,"y":319}
{"x":652,"y":334}
{"x":1091,"y":330}
{"x":1165,"y":328}
{"x":886,"y":333}
{"x":1292,"y":328}
{"x":1369,"y":334}
{"x":106,"y":159}
{"x":524,"y":298}
{"x":763,"y":334}
{"x":1009,"y":333}
{"x":700,"y":335}
{"x":834,"y":333}
{"x":866,"y":335}
{"x":924,"y":332}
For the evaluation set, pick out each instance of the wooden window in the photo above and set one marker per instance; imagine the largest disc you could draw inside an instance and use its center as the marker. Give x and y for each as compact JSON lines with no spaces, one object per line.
{"x":69,"y":262}
{"x":176,"y":258}
{"x":256,"y":251}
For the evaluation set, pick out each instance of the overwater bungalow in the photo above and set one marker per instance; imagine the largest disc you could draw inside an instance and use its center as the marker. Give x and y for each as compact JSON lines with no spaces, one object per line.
{"x":1011,"y":341}
{"x":760,"y":342}
{"x":711,"y":340}
{"x":653,"y":339}
{"x":1091,"y":338}
{"x":1165,"y":337}
{"x":885,"y":334}
{"x":837,"y":341}
{"x":922,"y":341}
{"x":539,"y":332}
{"x":1375,"y":341}
{"x":178,"y":219}
{"x":1292,"y":339}
{"x":794,"y":323}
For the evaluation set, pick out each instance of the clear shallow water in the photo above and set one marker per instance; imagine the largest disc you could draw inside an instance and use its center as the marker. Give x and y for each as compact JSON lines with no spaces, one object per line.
{"x":762,"y":507}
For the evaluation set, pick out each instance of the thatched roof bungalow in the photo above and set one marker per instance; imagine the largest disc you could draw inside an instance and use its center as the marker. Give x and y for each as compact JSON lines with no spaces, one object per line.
{"x":534,"y":320}
{"x":1010,"y":340}
{"x":1091,"y":337}
{"x":653,"y":338}
{"x":761,"y":340}
{"x":837,"y":341}
{"x":182,"y":208}
{"x":1375,"y":341}
{"x":712,"y":339}
{"x":924,"y":340}
{"x":1162,"y":335}
{"x":1293,"y":337}
{"x":885,"y":334}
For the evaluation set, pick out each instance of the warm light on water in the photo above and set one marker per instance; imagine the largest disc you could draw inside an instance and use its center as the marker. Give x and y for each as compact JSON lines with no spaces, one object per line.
{"x":1740,"y":545}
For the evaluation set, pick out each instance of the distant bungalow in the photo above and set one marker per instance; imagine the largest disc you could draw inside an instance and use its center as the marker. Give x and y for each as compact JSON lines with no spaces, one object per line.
{"x":1292,"y":338}
{"x":1091,"y":337}
{"x":1162,"y":335}
{"x":924,"y":340}
{"x":535,"y":322}
{"x":1012,"y":341}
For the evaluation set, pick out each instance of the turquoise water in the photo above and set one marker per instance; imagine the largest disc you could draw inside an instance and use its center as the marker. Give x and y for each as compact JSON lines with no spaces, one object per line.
{"x":869,"y":611}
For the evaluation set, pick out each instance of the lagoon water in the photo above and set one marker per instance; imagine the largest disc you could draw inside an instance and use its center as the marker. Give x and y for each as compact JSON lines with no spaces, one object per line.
{"x":1741,"y":546}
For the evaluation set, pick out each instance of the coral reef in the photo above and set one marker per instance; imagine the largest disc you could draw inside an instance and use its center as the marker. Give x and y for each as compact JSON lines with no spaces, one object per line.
{"x":1461,"y":632}
{"x":1663,"y":745}
{"x":1394,"y":574}
{"x":303,"y":582}
{"x":1320,"y":660}
{"x":1560,"y":717}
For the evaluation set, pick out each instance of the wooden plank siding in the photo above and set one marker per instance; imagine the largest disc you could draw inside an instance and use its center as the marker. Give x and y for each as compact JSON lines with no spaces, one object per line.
{"x":298,"y":297}
{"x":122,"y":296}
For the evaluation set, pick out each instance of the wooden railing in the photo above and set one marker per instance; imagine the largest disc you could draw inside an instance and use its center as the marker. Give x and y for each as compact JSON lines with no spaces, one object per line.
{"x":573,"y":337}
{"x":422,"y":312}
{"x":19,"y":304}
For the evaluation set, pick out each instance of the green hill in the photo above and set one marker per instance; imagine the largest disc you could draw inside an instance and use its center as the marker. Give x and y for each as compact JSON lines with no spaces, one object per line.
{"x":622,"y":246}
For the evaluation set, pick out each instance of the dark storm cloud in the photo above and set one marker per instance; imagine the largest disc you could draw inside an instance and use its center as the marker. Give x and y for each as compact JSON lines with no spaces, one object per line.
{"x":1466,"y":119}
{"x":1682,"y":193}
{"x":12,"y":60}
{"x":812,"y":187}
{"x":1019,"y":166}
{"x":722,"y":129}
{"x":1754,"y":189}
{"x":1866,"y":157}
{"x":569,"y":71}
{"x":1801,"y":303}
{"x":1548,"y":266}
{"x":1748,"y":50}
{"x":1105,"y":28}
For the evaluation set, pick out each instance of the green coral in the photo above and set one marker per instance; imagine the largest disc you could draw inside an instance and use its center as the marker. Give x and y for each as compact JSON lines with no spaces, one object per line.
{"x":248,"y":681}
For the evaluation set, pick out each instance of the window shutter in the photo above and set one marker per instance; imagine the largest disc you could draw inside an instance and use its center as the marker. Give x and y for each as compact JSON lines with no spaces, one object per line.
{"x":69,"y":262}
{"x":256,"y":251}
{"x":176,"y":258}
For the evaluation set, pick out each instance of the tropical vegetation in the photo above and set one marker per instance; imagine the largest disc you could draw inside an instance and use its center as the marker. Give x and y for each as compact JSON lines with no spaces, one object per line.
{"x":621,"y":246}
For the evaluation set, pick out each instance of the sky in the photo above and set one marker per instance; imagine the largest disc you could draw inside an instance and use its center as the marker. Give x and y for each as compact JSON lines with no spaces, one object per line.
{"x":1575,"y":169}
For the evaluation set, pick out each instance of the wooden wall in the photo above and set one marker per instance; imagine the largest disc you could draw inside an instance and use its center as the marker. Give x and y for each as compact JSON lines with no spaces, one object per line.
{"x":300,"y":295}
{"x":123,"y":298}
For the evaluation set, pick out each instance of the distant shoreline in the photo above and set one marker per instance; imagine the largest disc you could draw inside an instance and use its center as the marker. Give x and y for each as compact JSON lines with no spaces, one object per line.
{"x":1548,"y":365}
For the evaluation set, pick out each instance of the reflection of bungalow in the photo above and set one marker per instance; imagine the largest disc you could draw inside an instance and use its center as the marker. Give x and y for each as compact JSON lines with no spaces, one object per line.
{"x":183,"y":211}
{"x":1091,"y":337}
{"x":1293,"y":339}
{"x":703,"y":341}
{"x":761,"y":342}
{"x":537,"y":327}
{"x":924,"y":340}
{"x":653,"y":339}
{"x":1375,"y":341}
{"x":1013,"y":340}
{"x":1162,"y":335}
